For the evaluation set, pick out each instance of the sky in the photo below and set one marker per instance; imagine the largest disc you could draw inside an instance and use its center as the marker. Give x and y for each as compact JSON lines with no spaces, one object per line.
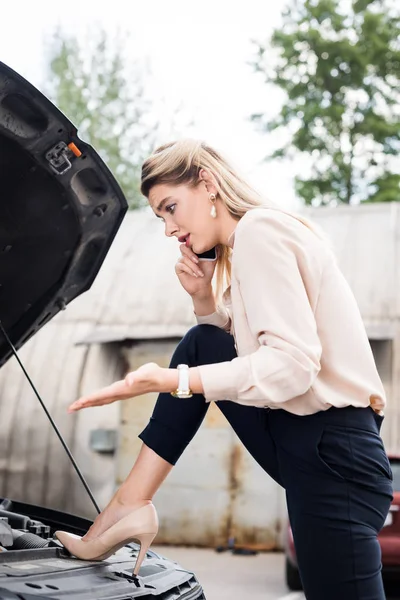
{"x":198,"y":54}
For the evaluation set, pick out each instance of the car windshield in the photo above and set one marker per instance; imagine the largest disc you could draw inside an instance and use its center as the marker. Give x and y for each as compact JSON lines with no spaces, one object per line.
{"x":395,"y":464}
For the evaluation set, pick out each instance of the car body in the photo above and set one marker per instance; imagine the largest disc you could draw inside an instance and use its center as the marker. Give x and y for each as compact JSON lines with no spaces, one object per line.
{"x":60,"y":209}
{"x":389,"y":538}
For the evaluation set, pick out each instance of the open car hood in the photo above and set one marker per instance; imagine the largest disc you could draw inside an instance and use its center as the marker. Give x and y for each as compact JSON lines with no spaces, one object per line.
{"x":60,"y":208}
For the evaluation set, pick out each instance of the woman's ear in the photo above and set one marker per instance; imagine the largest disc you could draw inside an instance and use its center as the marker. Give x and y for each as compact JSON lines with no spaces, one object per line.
{"x":209,"y":181}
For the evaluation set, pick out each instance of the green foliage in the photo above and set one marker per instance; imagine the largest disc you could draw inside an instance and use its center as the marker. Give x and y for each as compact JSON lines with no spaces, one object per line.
{"x":338,"y":63}
{"x":90,"y":82}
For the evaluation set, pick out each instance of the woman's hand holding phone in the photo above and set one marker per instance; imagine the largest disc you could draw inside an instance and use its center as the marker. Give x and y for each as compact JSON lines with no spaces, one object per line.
{"x":195,"y":275}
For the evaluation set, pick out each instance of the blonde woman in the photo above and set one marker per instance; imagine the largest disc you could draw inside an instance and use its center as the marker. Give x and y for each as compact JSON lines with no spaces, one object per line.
{"x":284,"y":355}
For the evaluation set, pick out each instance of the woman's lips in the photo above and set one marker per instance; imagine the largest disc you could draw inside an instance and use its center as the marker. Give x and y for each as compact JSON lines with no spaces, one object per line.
{"x":184,"y":239}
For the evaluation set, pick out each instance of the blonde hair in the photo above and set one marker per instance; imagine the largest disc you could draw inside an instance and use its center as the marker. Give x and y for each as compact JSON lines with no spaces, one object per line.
{"x":180,"y":163}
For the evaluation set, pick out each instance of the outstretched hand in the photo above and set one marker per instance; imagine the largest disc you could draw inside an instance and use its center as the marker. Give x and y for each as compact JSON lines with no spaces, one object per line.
{"x":147,"y":378}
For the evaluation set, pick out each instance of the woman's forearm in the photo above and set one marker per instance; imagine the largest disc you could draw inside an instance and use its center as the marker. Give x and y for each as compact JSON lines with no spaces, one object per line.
{"x":169,"y":381}
{"x":204,"y":305}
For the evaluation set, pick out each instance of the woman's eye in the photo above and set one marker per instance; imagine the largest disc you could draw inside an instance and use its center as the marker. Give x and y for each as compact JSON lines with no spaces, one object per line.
{"x":171,"y":209}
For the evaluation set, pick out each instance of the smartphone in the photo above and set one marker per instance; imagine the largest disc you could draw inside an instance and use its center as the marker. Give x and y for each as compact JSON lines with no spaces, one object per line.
{"x":209,"y":255}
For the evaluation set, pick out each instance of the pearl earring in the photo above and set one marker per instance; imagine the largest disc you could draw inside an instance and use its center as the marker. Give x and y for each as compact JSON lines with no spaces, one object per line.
{"x":213,"y":211}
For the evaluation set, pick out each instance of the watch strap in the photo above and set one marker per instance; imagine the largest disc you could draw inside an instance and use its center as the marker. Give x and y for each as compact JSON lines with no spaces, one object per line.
{"x":183,"y":390}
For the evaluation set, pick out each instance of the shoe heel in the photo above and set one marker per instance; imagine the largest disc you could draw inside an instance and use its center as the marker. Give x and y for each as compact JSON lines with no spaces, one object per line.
{"x":145,"y":540}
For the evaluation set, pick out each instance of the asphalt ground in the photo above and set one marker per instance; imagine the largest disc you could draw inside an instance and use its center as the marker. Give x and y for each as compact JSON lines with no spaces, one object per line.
{"x":226,"y":576}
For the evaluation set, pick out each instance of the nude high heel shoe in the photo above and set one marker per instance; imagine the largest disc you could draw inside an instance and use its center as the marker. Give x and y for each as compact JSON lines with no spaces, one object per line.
{"x":140,"y":525}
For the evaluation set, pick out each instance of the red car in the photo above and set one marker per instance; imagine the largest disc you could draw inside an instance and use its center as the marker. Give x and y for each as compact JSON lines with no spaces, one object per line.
{"x":389,"y":538}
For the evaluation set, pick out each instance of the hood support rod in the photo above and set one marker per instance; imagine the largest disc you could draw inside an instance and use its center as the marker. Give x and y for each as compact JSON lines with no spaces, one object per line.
{"x":60,"y":437}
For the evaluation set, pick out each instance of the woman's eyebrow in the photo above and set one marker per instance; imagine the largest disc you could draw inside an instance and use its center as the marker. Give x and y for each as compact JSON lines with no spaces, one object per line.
{"x":159,"y":207}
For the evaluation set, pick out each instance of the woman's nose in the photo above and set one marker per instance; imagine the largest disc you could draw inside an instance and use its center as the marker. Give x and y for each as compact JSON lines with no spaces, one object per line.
{"x":170,"y":229}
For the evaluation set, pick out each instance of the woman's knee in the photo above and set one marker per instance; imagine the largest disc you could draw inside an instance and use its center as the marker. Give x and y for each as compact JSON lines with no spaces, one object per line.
{"x":207,"y":344}
{"x":207,"y":333}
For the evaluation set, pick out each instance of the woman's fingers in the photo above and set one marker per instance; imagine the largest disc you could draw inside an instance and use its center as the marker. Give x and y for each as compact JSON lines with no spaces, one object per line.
{"x":185,"y":265}
{"x":116,"y":391}
{"x":190,"y":257}
{"x":185,"y":251}
{"x":143,"y":380}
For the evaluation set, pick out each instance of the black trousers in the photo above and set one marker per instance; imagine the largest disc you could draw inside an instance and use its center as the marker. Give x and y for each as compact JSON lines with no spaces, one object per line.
{"x":332,"y":464}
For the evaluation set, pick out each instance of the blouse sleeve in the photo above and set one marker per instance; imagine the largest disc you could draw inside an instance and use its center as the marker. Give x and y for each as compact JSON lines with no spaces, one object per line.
{"x":220,"y":318}
{"x":278,"y":265}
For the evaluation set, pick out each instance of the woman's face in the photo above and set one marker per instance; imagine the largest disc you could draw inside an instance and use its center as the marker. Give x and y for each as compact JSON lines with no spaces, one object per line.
{"x":186,"y":214}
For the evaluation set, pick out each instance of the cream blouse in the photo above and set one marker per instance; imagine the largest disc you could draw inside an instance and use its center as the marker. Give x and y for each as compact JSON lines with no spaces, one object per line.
{"x":299,"y":335}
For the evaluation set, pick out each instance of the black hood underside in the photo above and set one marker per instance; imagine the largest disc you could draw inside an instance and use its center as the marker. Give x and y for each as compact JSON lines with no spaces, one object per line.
{"x":60,"y":208}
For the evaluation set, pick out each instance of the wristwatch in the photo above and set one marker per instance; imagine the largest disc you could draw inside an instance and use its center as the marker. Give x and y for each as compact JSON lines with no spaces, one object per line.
{"x":183,"y":390}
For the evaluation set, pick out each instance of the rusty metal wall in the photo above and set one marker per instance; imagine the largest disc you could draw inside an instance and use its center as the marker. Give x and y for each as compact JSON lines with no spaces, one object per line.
{"x":216,"y":491}
{"x":34,"y":467}
{"x":391,"y":424}
{"x":366,"y":240}
{"x":383,"y":351}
